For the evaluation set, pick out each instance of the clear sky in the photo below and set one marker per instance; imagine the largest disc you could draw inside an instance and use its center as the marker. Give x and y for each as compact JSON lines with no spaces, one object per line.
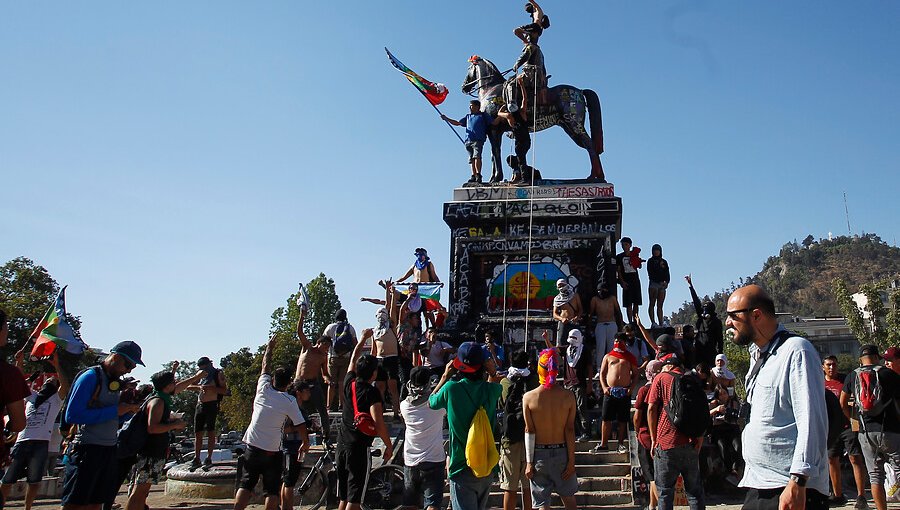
{"x":182,"y":165}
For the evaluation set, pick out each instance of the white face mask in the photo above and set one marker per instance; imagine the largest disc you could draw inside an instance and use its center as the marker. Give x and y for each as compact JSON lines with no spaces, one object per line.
{"x":575,"y":342}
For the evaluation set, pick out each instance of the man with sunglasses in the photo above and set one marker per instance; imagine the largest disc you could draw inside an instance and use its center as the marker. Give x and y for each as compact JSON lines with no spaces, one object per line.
{"x":93,"y":406}
{"x":784,"y":442}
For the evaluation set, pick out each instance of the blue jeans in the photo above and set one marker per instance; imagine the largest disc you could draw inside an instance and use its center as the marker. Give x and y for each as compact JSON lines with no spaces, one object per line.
{"x":668,"y":464}
{"x":467,"y":492}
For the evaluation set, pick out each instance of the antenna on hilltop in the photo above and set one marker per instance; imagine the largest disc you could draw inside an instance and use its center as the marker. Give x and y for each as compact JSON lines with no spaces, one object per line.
{"x":847,"y":212}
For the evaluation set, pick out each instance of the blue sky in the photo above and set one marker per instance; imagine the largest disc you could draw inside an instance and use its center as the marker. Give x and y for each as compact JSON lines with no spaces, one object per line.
{"x":181,"y":166}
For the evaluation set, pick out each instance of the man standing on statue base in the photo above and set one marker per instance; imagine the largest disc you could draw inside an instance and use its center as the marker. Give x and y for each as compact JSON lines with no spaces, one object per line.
{"x":477,"y":124}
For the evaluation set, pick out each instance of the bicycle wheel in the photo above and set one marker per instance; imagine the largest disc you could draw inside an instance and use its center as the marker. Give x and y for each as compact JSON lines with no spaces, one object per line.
{"x":312,"y":490}
{"x":385,"y":489}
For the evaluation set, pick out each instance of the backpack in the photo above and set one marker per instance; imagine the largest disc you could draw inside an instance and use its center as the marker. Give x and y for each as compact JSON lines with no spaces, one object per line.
{"x":481,"y":451}
{"x":343,"y":339}
{"x":133,"y":434}
{"x":871,"y":400}
{"x":688,"y":408}
{"x":513,"y":429}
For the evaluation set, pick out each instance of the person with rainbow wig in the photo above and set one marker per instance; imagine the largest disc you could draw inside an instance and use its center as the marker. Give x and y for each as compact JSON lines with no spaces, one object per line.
{"x":549,"y":413}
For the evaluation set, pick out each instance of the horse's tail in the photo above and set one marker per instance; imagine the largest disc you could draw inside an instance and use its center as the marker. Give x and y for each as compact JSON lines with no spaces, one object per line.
{"x":592,"y":101}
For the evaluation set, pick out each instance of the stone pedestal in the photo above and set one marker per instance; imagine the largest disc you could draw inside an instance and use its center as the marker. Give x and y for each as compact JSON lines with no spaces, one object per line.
{"x":509,"y":245}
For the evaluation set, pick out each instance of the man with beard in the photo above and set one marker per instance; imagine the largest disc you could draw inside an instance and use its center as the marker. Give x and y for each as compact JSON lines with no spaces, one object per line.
{"x":313,"y":363}
{"x":619,"y":377}
{"x":784,"y":440}
{"x":566,"y":309}
{"x":709,"y":339}
{"x":608,"y":316}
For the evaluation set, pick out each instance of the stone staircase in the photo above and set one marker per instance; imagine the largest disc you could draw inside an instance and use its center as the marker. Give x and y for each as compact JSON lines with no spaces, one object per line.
{"x":604,"y":480}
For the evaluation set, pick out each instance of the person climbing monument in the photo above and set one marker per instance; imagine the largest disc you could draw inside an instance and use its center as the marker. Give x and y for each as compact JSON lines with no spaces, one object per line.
{"x":422,"y":269}
{"x":512,"y":114}
{"x":477,"y":124}
{"x":567,"y":310}
{"x":533,"y":79}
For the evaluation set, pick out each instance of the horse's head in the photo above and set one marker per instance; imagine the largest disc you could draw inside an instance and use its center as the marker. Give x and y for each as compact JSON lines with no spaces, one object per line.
{"x":482,"y":73}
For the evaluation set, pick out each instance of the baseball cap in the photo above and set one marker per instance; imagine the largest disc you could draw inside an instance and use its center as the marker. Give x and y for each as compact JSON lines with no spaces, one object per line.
{"x":129,"y":350}
{"x":469,"y":357}
{"x":869,"y":350}
{"x":202,"y":362}
{"x":891,"y":354}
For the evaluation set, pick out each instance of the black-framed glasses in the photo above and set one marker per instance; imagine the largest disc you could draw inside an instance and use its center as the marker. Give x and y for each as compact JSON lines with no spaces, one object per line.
{"x":734,"y":313}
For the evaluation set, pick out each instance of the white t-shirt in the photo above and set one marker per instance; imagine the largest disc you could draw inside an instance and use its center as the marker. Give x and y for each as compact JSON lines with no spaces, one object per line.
{"x":270,"y":408}
{"x":39,"y":420}
{"x":424,"y":440}
{"x":331,"y":332}
{"x":435,"y":358}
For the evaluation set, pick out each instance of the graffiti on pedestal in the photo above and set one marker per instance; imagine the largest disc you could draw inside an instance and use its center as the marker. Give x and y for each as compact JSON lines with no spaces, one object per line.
{"x":521,"y":229}
{"x":526,"y":209}
{"x":520,"y":286}
{"x":552,"y":191}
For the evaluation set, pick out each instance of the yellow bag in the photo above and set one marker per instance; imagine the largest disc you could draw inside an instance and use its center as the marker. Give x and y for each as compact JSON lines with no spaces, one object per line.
{"x":481,"y":452}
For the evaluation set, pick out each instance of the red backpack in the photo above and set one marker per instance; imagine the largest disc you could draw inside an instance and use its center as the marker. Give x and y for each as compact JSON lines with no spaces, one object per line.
{"x":870,"y":396}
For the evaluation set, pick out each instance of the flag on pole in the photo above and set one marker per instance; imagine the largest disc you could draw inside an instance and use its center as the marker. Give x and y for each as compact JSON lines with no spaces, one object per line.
{"x":435,"y":93}
{"x":54,"y":331}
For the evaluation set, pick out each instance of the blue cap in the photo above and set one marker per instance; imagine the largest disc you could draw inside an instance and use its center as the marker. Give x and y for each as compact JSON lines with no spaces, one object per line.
{"x":469,"y":357}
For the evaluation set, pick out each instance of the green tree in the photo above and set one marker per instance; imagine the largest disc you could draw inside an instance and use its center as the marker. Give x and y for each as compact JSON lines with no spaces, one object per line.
{"x":242,"y":367}
{"x":883,"y":325}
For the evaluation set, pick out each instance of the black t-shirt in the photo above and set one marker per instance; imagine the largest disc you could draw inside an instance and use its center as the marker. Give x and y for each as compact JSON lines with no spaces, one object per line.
{"x":658,"y":270}
{"x":366,"y":396}
{"x":887,"y":421}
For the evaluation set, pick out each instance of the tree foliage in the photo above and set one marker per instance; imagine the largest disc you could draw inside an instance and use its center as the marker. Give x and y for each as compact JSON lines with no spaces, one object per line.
{"x":26,"y":293}
{"x":882,"y":327}
{"x":242,"y":368}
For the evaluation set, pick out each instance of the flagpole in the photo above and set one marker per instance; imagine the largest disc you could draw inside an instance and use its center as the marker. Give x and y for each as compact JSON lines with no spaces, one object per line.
{"x":448,"y":123}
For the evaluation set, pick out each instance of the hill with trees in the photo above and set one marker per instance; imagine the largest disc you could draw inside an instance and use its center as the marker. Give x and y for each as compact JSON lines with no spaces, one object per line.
{"x":800,"y":278}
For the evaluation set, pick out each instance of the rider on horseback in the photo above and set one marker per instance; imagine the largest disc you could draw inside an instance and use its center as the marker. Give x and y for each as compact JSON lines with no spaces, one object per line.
{"x":532,"y":58}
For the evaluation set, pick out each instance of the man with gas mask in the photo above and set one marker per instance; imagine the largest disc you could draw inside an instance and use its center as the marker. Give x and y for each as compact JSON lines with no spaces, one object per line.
{"x":784,"y":442}
{"x":708,"y":339}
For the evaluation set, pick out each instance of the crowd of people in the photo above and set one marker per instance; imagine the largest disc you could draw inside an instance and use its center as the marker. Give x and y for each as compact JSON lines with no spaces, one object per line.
{"x":527,"y":408}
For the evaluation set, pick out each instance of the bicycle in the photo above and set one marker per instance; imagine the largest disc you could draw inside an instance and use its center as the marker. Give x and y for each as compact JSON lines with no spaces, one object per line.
{"x":384,"y":487}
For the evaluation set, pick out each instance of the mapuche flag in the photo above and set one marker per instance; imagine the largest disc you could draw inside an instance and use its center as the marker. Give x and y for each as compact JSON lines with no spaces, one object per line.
{"x":435,"y":93}
{"x":54,"y":331}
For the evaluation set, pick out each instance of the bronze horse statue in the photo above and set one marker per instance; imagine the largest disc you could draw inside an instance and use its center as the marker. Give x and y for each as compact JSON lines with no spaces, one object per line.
{"x":565,"y":106}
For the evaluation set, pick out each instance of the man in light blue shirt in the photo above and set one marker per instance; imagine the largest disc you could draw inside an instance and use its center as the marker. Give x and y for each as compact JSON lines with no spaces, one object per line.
{"x":784,"y":442}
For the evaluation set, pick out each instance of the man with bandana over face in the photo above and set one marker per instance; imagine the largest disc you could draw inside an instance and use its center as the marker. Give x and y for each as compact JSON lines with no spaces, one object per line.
{"x":709,"y":336}
{"x":422,"y":269}
{"x":619,"y":377}
{"x":784,"y":441}
{"x":567,"y":310}
{"x":550,"y":436}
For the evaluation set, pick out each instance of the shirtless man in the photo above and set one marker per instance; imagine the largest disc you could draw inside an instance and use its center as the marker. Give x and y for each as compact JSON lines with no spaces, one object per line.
{"x":567,"y":309}
{"x":422,"y":269}
{"x":549,"y":412}
{"x":312,"y":363}
{"x":618,"y":377}
{"x":212,"y":388}
{"x":608,"y":316}
{"x":386,"y":347}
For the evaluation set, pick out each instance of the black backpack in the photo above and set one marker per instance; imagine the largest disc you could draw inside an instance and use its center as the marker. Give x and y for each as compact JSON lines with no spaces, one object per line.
{"x":688,"y":408}
{"x":513,"y":415}
{"x":343,"y":339}
{"x":133,"y":434}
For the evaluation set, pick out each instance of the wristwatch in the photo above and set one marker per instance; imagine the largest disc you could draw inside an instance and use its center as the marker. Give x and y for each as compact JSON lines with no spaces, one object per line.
{"x":800,"y":480}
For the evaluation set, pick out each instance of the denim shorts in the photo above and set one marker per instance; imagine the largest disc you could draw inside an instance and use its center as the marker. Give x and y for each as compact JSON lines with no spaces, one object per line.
{"x":29,"y":458}
{"x":427,"y":477}
{"x":547,"y":478}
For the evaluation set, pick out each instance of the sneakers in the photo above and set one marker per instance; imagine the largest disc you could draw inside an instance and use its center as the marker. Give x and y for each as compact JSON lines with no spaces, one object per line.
{"x":600,"y":448}
{"x":837,"y":500}
{"x":583,"y":438}
{"x":207,"y":463}
{"x":195,"y":464}
{"x":861,"y":503}
{"x":623,"y":448}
